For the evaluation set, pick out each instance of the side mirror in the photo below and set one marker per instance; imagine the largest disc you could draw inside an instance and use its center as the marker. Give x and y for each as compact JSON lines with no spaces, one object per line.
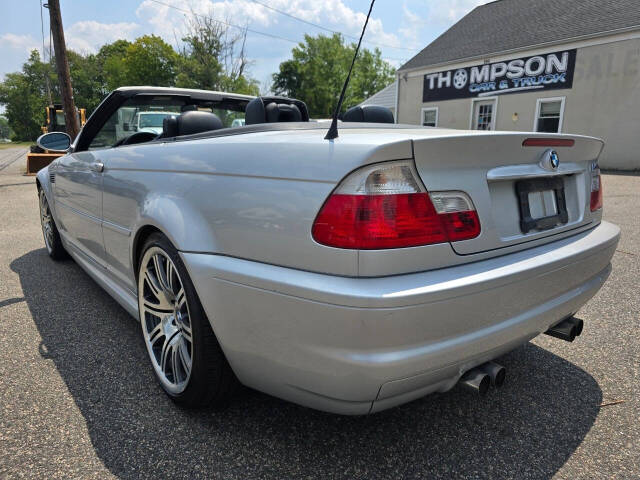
{"x":54,"y":141}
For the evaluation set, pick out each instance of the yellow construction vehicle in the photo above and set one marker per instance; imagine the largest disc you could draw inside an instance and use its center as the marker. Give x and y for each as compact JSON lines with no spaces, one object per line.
{"x":54,"y":118}
{"x":38,"y":158}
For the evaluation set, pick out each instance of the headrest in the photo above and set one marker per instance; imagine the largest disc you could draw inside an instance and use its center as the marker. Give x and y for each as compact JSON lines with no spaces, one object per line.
{"x":281,"y":112}
{"x":368,"y":114}
{"x":196,"y":122}
{"x":275,"y":109}
{"x":190,"y":122}
{"x":170,"y":126}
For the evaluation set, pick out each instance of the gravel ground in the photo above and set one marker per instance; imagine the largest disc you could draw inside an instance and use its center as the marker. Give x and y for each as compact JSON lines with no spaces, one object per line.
{"x":78,"y":398}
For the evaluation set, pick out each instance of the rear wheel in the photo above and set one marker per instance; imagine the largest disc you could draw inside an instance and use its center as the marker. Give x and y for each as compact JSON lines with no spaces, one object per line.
{"x":49,"y":230}
{"x":182,"y":347}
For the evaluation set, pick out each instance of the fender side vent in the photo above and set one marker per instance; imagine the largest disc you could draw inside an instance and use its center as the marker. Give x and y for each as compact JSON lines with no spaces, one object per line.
{"x":52,"y":177}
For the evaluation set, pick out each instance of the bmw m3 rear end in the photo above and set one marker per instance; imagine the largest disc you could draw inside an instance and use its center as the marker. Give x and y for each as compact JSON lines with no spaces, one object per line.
{"x":431,"y":253}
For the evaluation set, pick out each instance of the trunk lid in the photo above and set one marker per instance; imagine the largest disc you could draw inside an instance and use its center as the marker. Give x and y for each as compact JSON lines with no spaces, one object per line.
{"x":501,"y":175}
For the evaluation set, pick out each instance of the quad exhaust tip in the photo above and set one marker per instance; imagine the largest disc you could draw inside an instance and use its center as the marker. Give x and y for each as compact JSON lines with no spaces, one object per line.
{"x":497,"y":373}
{"x":476,"y":381}
{"x":479,"y":379}
{"x":568,"y":329}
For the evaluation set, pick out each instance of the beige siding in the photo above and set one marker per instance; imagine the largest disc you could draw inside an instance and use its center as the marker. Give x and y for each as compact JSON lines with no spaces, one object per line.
{"x":604,"y":102}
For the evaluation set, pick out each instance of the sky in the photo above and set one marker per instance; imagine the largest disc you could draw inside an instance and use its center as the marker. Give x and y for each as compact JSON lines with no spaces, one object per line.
{"x":400,"y":28}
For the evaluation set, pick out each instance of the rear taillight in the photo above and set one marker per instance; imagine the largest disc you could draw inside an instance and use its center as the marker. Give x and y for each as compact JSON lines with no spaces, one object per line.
{"x":596,"y":189}
{"x":457,"y":214}
{"x":386,"y":206}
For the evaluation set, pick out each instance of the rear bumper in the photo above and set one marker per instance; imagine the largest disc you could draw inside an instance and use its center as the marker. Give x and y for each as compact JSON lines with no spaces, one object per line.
{"x":355,"y":345}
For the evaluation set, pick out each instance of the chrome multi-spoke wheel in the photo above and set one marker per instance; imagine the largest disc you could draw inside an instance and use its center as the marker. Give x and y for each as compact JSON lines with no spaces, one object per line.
{"x":184,"y":351}
{"x":49,"y":230}
{"x":165,"y":318}
{"x":47,"y":222}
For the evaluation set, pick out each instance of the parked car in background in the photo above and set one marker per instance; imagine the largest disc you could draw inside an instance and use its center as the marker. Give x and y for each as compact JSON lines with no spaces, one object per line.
{"x":151,"y":121}
{"x":349,"y":275}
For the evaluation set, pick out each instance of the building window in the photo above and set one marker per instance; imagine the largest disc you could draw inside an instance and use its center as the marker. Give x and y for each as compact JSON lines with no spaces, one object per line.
{"x":483,"y":113}
{"x":549,"y":113}
{"x":430,"y":117}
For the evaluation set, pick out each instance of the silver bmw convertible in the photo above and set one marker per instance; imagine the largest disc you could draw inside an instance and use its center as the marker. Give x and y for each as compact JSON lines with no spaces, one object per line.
{"x":349,"y":275}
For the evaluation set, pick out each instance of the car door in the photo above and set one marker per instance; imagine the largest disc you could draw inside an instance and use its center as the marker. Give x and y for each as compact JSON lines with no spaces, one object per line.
{"x":78,"y":196}
{"x":79,"y":182}
{"x":117,"y":141}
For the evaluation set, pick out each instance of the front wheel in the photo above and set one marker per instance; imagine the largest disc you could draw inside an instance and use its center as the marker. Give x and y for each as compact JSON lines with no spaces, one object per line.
{"x":182,"y":347}
{"x":52,"y":240}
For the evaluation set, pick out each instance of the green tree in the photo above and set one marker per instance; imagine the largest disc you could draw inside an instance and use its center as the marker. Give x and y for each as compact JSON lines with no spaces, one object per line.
{"x":319,"y":67}
{"x":241,"y":84}
{"x":110,"y":65}
{"x":86,"y":79}
{"x":150,"y":61}
{"x":5,"y":130}
{"x":212,"y":59}
{"x":24,"y":95}
{"x":200,"y":66}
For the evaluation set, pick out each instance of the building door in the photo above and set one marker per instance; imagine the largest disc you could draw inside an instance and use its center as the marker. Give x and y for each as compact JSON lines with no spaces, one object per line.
{"x":484,"y":115}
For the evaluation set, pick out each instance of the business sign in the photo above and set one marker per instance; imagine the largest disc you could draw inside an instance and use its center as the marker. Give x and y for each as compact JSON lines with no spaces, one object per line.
{"x":538,"y":72}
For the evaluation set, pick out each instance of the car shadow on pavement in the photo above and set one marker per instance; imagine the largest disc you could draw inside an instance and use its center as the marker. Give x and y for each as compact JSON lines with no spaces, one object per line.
{"x":528,"y":429}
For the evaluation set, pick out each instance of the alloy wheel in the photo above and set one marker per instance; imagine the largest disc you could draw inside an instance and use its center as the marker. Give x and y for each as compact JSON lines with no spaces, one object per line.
{"x":47,"y":221}
{"x":165,"y":319}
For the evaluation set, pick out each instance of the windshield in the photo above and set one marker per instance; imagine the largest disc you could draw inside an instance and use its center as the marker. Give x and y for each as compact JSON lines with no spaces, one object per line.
{"x":145,"y":113}
{"x":153,"y":119}
{"x":60,"y":117}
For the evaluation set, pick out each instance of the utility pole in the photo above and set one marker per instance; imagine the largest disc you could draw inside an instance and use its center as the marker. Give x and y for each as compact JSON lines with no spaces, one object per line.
{"x":62,"y":67}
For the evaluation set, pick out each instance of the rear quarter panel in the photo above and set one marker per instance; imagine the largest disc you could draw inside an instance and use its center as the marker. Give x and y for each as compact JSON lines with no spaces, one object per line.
{"x":248,"y":196}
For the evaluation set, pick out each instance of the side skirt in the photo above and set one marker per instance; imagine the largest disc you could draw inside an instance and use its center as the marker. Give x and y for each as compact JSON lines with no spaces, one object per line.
{"x":125,"y":298}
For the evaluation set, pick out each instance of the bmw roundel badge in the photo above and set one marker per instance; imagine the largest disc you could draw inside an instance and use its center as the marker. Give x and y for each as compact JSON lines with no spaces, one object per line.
{"x":550,"y":160}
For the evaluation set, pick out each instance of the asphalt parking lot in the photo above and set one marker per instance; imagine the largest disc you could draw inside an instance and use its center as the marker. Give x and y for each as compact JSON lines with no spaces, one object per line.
{"x":78,"y":398}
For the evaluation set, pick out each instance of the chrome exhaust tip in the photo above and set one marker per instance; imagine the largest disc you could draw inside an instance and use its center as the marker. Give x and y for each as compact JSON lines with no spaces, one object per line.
{"x":579,"y":324}
{"x":496,"y":372}
{"x":568,"y":329}
{"x":476,"y":381}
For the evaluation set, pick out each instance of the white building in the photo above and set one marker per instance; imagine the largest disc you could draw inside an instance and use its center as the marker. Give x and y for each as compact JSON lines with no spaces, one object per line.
{"x":385,"y":98}
{"x":570,"y":66}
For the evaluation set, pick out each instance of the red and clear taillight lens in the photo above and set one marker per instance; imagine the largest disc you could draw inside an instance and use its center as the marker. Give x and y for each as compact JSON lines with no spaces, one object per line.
{"x":385,"y":206}
{"x":457,"y":214}
{"x":596,"y":189}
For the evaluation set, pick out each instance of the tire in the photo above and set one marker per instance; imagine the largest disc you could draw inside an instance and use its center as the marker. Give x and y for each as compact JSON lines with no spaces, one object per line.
{"x":184,"y":352}
{"x":52,"y":240}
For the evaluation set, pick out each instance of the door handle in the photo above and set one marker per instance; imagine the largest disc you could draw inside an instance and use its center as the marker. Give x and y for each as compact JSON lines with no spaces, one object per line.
{"x":97,"y":167}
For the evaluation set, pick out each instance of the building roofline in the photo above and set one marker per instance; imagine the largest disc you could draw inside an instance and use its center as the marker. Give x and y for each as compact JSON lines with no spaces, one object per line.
{"x":521,"y":49}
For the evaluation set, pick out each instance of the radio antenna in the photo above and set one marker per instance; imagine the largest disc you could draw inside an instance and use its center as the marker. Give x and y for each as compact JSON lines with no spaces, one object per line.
{"x":333,"y":129}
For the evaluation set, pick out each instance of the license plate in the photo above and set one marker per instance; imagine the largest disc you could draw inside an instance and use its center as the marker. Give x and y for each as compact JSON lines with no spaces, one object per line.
{"x":542,"y":203}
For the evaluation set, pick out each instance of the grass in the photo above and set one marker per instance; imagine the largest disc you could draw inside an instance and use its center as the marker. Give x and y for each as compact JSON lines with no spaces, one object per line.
{"x":15,"y":144}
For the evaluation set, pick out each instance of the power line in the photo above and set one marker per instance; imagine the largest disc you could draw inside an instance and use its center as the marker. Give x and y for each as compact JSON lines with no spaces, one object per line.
{"x":257,"y":32}
{"x":247,"y":29}
{"x":328,"y":29}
